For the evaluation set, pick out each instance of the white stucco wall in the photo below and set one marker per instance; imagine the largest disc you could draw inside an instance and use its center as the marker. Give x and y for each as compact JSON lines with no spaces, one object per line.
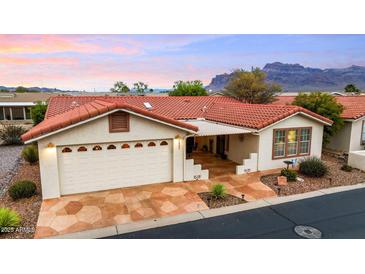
{"x":348,"y":138}
{"x":355,"y":140}
{"x":240,"y":147}
{"x":265,"y":160}
{"x":97,"y":131}
{"x":357,"y":159}
{"x":341,"y":141}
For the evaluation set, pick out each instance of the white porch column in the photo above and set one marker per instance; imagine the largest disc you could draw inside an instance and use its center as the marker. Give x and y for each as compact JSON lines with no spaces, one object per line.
{"x":49,"y":170}
{"x":178,"y":158}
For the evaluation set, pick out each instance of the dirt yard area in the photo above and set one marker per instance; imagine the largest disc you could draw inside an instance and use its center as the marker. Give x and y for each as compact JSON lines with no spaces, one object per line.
{"x":335,"y":177}
{"x":28,"y":208}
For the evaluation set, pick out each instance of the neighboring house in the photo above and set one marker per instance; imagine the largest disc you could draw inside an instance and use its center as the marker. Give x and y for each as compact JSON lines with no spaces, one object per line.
{"x":352,"y":136}
{"x":15,"y":107}
{"x":97,"y":143}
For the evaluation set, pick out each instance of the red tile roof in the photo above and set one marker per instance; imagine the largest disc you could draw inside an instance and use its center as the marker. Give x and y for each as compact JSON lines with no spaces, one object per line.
{"x":64,"y":111}
{"x":255,"y":115}
{"x":354,"y":106}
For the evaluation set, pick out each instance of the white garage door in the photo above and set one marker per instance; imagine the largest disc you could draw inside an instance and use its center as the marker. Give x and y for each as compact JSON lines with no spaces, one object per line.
{"x":87,"y":168}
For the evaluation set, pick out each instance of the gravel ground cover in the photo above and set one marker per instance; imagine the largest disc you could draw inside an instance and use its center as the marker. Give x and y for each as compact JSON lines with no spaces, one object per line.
{"x":28,"y":208}
{"x":212,"y":202}
{"x":335,"y":177}
{"x":9,"y":162}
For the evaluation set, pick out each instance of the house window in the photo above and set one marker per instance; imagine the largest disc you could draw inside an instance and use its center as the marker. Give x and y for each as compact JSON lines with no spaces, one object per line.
{"x":363,"y":133}
{"x":97,"y":148}
{"x":279,"y":143}
{"x":163,"y":143}
{"x":27,"y":113}
{"x":82,"y":149}
{"x":151,"y":144}
{"x":119,"y":122}
{"x":125,"y":146}
{"x":66,"y":150}
{"x":7,"y":113}
{"x":18,"y":113}
{"x":111,"y":147}
{"x":1,"y":113}
{"x":291,"y":142}
{"x":304,"y":141}
{"x":138,"y":145}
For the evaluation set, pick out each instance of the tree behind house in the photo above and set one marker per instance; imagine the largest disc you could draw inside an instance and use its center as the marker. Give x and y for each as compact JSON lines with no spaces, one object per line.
{"x":188,"y":88}
{"x":38,"y":112}
{"x":351,"y":88}
{"x":140,"y":87}
{"x":251,"y":87}
{"x":326,"y":105}
{"x":120,"y":87}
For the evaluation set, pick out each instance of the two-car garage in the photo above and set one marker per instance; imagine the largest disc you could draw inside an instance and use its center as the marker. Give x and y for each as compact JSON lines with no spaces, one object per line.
{"x":94,"y":167}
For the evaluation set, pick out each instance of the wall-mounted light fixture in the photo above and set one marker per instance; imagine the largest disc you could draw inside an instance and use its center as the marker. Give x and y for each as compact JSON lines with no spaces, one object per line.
{"x":50,"y":145}
{"x":178,"y":139}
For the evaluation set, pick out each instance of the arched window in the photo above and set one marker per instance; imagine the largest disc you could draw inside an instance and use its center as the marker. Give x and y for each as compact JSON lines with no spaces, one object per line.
{"x":138,"y":145}
{"x":163,"y":143}
{"x":66,"y":150}
{"x":151,"y":144}
{"x":97,"y":147}
{"x":125,"y":146}
{"x":111,"y":147}
{"x":82,"y":149}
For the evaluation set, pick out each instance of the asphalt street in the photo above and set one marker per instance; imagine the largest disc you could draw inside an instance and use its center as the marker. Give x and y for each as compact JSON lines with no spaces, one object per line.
{"x":337,"y":216}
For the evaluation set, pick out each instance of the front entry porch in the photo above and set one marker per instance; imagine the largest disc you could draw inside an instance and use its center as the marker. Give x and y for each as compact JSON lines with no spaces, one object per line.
{"x":214,"y":163}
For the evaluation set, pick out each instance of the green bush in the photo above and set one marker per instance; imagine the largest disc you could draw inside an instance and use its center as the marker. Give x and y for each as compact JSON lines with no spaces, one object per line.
{"x":38,"y":112}
{"x":346,"y":168}
{"x":290,"y":174}
{"x":312,"y":167}
{"x":30,"y":154}
{"x":22,"y":189}
{"x":8,"y":218}
{"x":10,"y":134}
{"x":218,"y":191}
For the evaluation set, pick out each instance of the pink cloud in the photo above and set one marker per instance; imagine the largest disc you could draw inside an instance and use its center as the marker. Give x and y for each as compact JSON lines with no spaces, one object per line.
{"x":40,"y":44}
{"x":38,"y":60}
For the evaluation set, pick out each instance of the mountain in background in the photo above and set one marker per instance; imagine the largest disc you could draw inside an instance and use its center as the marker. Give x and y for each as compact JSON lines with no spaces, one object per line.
{"x":35,"y":89}
{"x":294,"y":77}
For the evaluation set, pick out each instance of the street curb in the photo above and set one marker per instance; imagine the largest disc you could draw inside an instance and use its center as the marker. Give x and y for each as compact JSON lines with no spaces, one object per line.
{"x":199,"y":215}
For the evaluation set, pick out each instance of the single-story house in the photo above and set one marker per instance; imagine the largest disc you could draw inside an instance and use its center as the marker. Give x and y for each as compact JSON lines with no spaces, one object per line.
{"x":97,"y":143}
{"x":15,"y":107}
{"x":352,"y":136}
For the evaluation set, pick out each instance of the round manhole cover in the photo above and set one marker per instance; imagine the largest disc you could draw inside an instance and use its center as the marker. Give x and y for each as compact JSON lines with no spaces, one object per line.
{"x":308,"y":232}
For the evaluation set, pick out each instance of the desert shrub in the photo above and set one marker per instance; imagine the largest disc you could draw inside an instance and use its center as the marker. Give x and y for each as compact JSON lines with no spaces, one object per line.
{"x":218,"y":191}
{"x":30,"y":154}
{"x":8,"y":218}
{"x":22,"y":189}
{"x":346,"y":168}
{"x":312,"y":167}
{"x":10,"y":134}
{"x":290,"y":174}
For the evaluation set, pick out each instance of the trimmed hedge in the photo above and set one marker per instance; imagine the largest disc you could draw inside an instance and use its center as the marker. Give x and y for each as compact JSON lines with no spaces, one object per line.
{"x":313,"y":167}
{"x":290,"y":174}
{"x":22,"y":189}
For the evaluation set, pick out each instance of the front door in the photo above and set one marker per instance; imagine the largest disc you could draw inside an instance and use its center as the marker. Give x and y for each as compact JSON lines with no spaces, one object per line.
{"x":220,"y":144}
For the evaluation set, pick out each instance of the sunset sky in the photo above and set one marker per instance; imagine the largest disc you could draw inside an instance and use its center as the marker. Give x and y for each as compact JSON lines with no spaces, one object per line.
{"x":95,"y":62}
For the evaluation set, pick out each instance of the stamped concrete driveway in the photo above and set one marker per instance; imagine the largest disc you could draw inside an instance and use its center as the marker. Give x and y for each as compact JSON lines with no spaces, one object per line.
{"x":337,"y":216}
